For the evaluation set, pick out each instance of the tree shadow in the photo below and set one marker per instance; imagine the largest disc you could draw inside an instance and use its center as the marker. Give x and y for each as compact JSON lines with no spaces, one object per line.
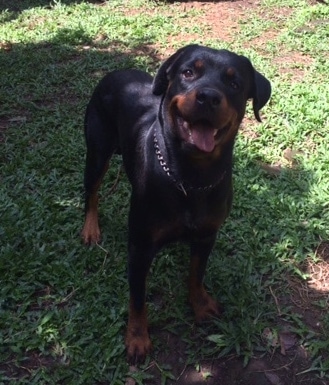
{"x":200,"y":1}
{"x":18,"y":6}
{"x":53,"y":69}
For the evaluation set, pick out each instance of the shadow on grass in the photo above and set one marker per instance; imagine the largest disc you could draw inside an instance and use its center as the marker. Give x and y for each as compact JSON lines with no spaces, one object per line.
{"x":198,"y":1}
{"x":39,"y":77}
{"x":18,"y":6}
{"x":44,"y":89}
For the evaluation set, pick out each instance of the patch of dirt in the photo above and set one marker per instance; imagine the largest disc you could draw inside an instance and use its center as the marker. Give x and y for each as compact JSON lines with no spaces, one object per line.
{"x":219,"y":20}
{"x":319,"y":272}
{"x":288,"y":364}
{"x":15,"y":369}
{"x":293,"y":64}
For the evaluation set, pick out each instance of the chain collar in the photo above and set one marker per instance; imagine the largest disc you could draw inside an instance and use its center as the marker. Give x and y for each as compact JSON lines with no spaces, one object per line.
{"x":184,"y":188}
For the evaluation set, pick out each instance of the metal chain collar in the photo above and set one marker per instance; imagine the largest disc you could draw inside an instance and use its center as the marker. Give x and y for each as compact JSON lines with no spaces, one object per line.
{"x":169,"y":173}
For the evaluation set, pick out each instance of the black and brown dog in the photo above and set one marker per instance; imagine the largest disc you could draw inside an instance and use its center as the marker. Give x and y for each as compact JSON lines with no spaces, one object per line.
{"x":176,"y":134}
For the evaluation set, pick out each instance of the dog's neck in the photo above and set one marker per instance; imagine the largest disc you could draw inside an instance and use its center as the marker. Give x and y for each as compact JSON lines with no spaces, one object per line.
{"x":184,"y":187}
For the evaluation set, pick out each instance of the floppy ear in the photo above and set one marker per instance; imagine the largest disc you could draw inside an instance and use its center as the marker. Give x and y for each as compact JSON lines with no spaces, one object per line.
{"x":161,"y":79}
{"x":261,"y":93}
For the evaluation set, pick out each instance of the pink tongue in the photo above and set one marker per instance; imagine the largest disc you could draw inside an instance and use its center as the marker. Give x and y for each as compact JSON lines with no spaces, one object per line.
{"x":203,"y":139}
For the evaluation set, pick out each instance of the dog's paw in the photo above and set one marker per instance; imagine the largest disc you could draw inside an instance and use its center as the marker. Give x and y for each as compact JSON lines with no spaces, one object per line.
{"x":204,"y":306}
{"x":138,"y":346}
{"x":90,"y":234}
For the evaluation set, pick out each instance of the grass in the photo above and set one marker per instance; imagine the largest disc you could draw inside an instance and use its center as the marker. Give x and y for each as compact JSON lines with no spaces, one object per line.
{"x":63,"y":307}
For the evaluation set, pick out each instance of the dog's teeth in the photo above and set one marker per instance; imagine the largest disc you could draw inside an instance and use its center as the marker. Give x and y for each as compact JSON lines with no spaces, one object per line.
{"x":215,"y":132}
{"x":187,"y":128}
{"x":186,"y":125}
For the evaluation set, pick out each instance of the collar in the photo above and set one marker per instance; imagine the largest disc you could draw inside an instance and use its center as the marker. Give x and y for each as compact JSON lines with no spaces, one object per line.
{"x":179,"y":184}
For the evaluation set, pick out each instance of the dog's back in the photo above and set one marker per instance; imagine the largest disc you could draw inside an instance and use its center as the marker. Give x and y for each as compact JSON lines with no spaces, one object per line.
{"x":121,"y":99}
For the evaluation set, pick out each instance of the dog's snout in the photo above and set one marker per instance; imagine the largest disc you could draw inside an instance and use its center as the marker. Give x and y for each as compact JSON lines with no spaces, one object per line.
{"x":208,"y":96}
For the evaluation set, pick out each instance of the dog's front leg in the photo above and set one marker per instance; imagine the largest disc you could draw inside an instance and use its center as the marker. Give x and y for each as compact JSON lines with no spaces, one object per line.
{"x":203,"y":304}
{"x":138,"y":342}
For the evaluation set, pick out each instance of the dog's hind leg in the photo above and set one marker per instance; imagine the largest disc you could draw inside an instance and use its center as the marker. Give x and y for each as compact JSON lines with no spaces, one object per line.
{"x":101,"y":144}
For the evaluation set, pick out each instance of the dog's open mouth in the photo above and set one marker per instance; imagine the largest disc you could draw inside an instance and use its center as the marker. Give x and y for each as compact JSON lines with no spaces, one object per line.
{"x":201,"y":133}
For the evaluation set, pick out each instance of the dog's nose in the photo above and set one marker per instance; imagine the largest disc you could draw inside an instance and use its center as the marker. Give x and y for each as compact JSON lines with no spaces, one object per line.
{"x":208,"y":96}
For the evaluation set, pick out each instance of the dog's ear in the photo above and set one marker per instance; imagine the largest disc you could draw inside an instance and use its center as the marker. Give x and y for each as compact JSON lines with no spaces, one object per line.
{"x":261,"y":93}
{"x":161,"y":79}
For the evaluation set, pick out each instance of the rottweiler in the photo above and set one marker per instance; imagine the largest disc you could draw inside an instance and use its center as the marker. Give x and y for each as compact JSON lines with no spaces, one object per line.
{"x":176,"y":134}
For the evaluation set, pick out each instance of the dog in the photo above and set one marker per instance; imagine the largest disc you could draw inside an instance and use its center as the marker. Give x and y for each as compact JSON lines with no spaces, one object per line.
{"x":176,"y":134}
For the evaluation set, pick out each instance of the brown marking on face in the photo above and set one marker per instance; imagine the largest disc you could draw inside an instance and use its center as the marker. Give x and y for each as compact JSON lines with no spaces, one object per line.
{"x":199,"y":64}
{"x":188,"y":117}
{"x":184,"y":103}
{"x":230,"y":72}
{"x":188,"y":108}
{"x":232,"y":130}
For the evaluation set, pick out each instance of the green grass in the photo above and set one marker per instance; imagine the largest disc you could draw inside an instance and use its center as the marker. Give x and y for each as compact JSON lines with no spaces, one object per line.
{"x":63,"y":307}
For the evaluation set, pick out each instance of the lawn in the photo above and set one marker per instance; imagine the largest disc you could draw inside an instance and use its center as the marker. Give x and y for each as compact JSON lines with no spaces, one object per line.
{"x":63,"y":307}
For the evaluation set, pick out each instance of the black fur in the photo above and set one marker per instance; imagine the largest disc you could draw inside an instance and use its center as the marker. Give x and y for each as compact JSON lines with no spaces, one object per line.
{"x":176,"y":134}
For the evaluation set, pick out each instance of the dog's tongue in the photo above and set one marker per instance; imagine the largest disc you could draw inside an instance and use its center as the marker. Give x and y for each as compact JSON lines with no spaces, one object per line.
{"x":203,"y":138}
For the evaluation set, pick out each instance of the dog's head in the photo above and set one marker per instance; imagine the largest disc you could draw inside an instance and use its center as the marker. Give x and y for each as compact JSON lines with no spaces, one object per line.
{"x":205,"y":94}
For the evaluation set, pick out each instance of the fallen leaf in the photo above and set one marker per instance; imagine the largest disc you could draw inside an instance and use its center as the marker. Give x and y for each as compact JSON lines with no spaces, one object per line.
{"x":287,"y":341}
{"x":273,"y":378}
{"x":271,"y":337}
{"x":270,"y":169}
{"x":290,"y":154}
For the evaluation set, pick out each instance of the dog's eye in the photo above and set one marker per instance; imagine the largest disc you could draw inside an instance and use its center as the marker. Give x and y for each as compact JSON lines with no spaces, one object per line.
{"x":234,"y":85}
{"x":187,"y":74}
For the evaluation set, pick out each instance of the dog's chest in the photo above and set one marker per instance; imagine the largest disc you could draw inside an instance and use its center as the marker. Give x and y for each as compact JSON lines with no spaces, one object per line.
{"x":188,"y":218}
{"x":195,"y":214}
{"x":199,"y":215}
